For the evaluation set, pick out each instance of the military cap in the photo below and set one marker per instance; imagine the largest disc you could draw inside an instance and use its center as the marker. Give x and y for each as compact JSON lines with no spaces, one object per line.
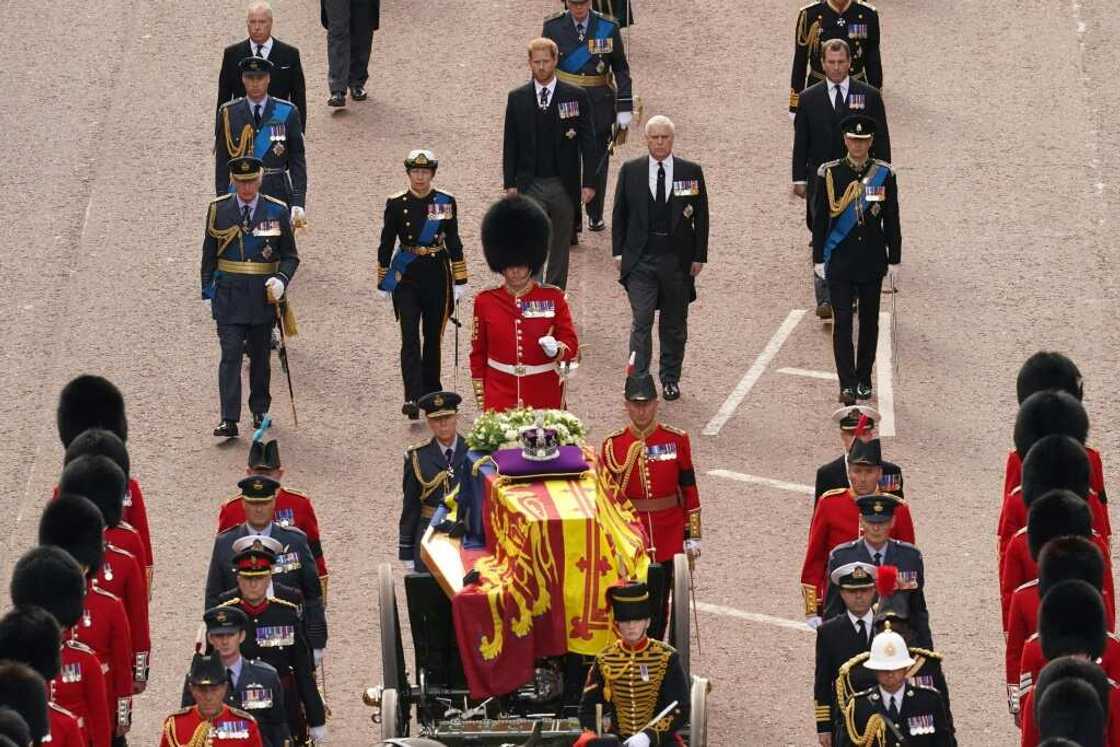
{"x":255,"y":66}
{"x":13,"y":729}
{"x":75,"y":524}
{"x":421,"y":158}
{"x":630,"y":601}
{"x":856,"y":575}
{"x":99,"y":442}
{"x":49,"y":577}
{"x":640,"y":388}
{"x":878,"y":507}
{"x":1056,"y":514}
{"x":859,"y":126}
{"x":225,"y":620}
{"x":1065,"y":667}
{"x":1055,"y":462}
{"x":31,"y":636}
{"x":1048,"y":370}
{"x":244,"y":168}
{"x":258,"y":488}
{"x":439,"y":404}
{"x":869,"y":453}
{"x":90,"y":402}
{"x":1047,"y":413}
{"x":208,"y":670}
{"x":1071,"y":620}
{"x":1069,"y":557}
{"x":515,"y":233}
{"x":257,"y":540}
{"x":25,"y":692}
{"x":254,"y":561}
{"x":848,"y":418}
{"x":264,"y":455}
{"x":99,"y":479}
{"x":1070,"y":709}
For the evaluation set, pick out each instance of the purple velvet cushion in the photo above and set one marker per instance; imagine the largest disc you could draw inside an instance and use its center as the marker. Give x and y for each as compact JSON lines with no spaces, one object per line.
{"x":569,"y":461}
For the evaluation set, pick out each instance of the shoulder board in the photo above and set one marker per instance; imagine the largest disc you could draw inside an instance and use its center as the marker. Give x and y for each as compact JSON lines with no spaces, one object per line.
{"x":677,"y":431}
{"x":1032,"y":582}
{"x":61,"y":710}
{"x":416,"y":446}
{"x":231,"y":602}
{"x":282,"y":602}
{"x":826,"y":166}
{"x":445,"y":192}
{"x":270,"y":198}
{"x":395,"y":195}
{"x":929,"y":654}
{"x":883,"y":164}
{"x":554,"y":16}
{"x":843,"y":546}
{"x":279,"y":100}
{"x":905,"y":545}
{"x":869,"y":6}
{"x":810,"y":6}
{"x":97,"y":589}
{"x":119,"y":551}
{"x":228,"y":104}
{"x":79,"y":646}
{"x":231,"y":500}
{"x":295,"y":530}
{"x":1021,"y":531}
{"x":898,"y":498}
{"x":551,"y":287}
{"x":122,"y":524}
{"x":262,"y":664}
{"x":833,"y":492}
{"x":243,"y":714}
{"x":295,"y":491}
{"x":227,"y":531}
{"x":928,"y":689}
{"x":181,"y":712}
{"x":615,"y":434}
{"x":219,"y":198}
{"x":606,"y":18}
{"x":864,"y":693}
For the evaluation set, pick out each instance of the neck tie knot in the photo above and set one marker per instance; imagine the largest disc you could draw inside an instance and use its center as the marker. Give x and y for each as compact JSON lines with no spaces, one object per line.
{"x":259,"y":47}
{"x":544,"y":98}
{"x":257,"y":115}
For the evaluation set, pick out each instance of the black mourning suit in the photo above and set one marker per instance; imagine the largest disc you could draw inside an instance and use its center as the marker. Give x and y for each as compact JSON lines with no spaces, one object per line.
{"x":287,"y":75}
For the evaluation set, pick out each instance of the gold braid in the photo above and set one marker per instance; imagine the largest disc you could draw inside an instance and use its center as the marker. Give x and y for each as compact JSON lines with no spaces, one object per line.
{"x":844,"y":689}
{"x":853,"y":191}
{"x":624,"y":470}
{"x":225,"y":236}
{"x":243,"y":142}
{"x":874,"y":736}
{"x":200,"y":738}
{"x":808,"y":38}
{"x":427,"y":486}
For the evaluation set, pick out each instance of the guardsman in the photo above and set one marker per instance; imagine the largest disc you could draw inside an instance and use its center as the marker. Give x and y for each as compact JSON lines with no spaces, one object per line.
{"x":836,"y":521}
{"x":635,"y":679}
{"x":275,"y":635}
{"x":651,"y":464}
{"x":522,"y":337}
{"x":24,"y":692}
{"x":210,"y":722}
{"x":248,"y":259}
{"x":856,"y":237}
{"x":433,"y":470}
{"x":100,"y":480}
{"x":74,"y":524}
{"x":895,"y":711}
{"x":857,"y":421}
{"x":48,"y":577}
{"x":853,"y":20}
{"x":420,"y":267}
{"x":1078,"y":712}
{"x":268,"y":129}
{"x":839,"y":639}
{"x":592,"y":57}
{"x":254,"y":685}
{"x":94,"y":402}
{"x":293,"y":507}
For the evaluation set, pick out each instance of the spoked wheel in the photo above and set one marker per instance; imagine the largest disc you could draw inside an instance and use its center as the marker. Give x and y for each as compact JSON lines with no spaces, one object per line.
{"x":392,"y":655}
{"x":698,"y":712}
{"x":681,"y":621}
{"x":390,"y":710}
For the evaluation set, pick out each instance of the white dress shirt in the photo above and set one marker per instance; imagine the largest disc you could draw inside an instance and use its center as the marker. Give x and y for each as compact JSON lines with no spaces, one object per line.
{"x":868,"y":618}
{"x":844,"y":85}
{"x":668,"y":163}
{"x":897,"y":696}
{"x":551,"y":86}
{"x":266,"y":48}
{"x":253,"y":104}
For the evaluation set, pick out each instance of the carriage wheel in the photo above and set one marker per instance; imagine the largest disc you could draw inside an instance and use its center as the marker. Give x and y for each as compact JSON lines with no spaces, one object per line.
{"x":698,"y":715}
{"x":390,"y":632}
{"x":390,"y":710}
{"x":681,"y":621}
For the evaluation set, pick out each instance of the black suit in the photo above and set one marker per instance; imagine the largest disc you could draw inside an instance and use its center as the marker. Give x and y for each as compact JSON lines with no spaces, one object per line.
{"x":287,"y":75}
{"x":655,"y":268}
{"x":835,"y":475}
{"x":837,"y":641}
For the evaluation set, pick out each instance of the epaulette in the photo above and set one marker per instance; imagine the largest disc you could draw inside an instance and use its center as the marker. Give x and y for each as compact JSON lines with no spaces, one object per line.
{"x":122,"y":524}
{"x":927,"y":688}
{"x":262,"y":664}
{"x":282,"y":603}
{"x":869,"y":6}
{"x":809,"y":6}
{"x":904,"y":543}
{"x":883,"y":164}
{"x":395,"y":195}
{"x":929,"y":654}
{"x":231,"y":602}
{"x":554,"y":16}
{"x":181,"y":712}
{"x":241,"y":713}
{"x":1032,"y":582}
{"x":294,"y":529}
{"x":279,"y":100}
{"x":843,"y":545}
{"x":231,"y":500}
{"x":827,"y":165}
{"x":616,"y":434}
{"x":295,"y":491}
{"x":228,"y":104}
{"x":550,"y":286}
{"x":227,"y":531}
{"x":869,"y":692}
{"x":101,"y":591}
{"x":901,"y":501}
{"x":605,"y":17}
{"x":79,"y":646}
{"x":416,"y":446}
{"x":834,"y":491}
{"x":118,"y":550}
{"x":219,"y":198}
{"x":270,"y":198}
{"x":445,"y":192}
{"x":673,"y":429}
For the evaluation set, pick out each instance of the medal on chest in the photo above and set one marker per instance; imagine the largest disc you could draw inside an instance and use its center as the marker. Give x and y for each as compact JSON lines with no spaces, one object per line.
{"x":276,"y":636}
{"x":107,"y":572}
{"x":285,"y":562}
{"x":70,"y":673}
{"x":256,"y":697}
{"x":285,"y":517}
{"x":921,"y":724}
{"x":233,"y":729}
{"x":87,"y":619}
{"x":277,"y":135}
{"x":538,"y":309}
{"x":661,"y":452}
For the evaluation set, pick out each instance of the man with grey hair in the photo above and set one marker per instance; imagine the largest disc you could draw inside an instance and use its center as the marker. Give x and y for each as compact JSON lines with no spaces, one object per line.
{"x":287,"y":72}
{"x":660,"y":244}
{"x":350,"y":25}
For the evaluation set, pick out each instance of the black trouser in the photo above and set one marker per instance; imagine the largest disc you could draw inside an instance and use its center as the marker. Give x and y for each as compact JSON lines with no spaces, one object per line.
{"x":856,"y":369}
{"x":553,"y":197}
{"x":234,"y":340}
{"x":421,"y":303}
{"x":595,"y":207}
{"x":820,"y":287}
{"x":663,"y":595}
{"x":658,"y":283}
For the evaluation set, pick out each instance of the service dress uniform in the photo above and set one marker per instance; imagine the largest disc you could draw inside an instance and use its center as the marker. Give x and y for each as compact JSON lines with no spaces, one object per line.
{"x":65,"y":728}
{"x":122,"y":575}
{"x":592,"y":57}
{"x":852,"y":20}
{"x":838,"y":640}
{"x":232,"y":727}
{"x":104,"y":628}
{"x":927,"y":672}
{"x":80,"y":689}
{"x":420,"y":261}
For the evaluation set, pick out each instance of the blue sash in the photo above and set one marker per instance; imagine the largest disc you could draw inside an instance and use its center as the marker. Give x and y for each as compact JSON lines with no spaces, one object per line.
{"x":846,"y":221}
{"x":575,"y":60}
{"x":279,"y":116}
{"x":402,"y":259}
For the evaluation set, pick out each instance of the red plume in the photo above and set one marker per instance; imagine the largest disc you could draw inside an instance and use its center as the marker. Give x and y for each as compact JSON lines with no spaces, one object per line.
{"x":887,"y":580}
{"x":862,"y":425}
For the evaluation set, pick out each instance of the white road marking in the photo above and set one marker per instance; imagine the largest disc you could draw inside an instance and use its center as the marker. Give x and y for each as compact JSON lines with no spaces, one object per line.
{"x":750,"y":378}
{"x":885,"y":376}
{"x":809,"y":374}
{"x":770,"y":482}
{"x":781,"y":622}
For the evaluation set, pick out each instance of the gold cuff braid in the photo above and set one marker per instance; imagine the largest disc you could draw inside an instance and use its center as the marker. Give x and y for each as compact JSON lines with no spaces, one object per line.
{"x":809,"y":593}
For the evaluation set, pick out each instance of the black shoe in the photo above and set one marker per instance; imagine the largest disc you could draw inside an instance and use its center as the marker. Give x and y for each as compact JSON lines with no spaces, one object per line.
{"x":258,"y":419}
{"x":597,"y":225}
{"x":670,"y":390}
{"x":337,"y":99}
{"x":226,"y":429}
{"x":411,"y":410}
{"x":824,"y":311}
{"x":847,"y":396}
{"x":863,"y":391}
{"x":358,"y":93}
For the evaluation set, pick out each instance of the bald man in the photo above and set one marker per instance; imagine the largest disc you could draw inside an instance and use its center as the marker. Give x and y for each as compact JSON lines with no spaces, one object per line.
{"x":287,"y":72}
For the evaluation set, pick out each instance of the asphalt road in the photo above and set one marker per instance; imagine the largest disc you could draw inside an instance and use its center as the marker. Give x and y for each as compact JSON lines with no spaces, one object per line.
{"x":1005,"y":141}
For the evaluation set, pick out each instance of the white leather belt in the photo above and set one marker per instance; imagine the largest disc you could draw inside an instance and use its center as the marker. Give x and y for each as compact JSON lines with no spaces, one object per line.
{"x":520,"y":370}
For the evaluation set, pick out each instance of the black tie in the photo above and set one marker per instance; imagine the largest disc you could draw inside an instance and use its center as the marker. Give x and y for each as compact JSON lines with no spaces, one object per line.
{"x":229,"y":675}
{"x":579,"y":30}
{"x":861,"y":627}
{"x":544,"y":98}
{"x":893,"y":710}
{"x":449,"y":453}
{"x":257,"y":115}
{"x":246,"y":217}
{"x":838,"y":98}
{"x":878,"y":558}
{"x":660,"y":197}
{"x":259,"y":50}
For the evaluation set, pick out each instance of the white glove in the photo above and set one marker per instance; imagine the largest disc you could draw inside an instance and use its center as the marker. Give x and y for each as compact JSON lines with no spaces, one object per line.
{"x":818,"y":270}
{"x":458,"y":291}
{"x":317,"y":654}
{"x":549,"y":345}
{"x":792,"y":116}
{"x":208,"y":308}
{"x":384,"y":295}
{"x":275,"y":288}
{"x":299,"y":217}
{"x":814,"y":622}
{"x":624,"y":119}
{"x":692,"y":548}
{"x":318,"y":734}
{"x":638,"y":740}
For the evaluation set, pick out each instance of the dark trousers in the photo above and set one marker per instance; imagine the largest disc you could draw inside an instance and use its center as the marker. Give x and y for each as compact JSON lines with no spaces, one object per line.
{"x":235,"y":339}
{"x":422,"y":312}
{"x":820,"y":287}
{"x":556,"y":201}
{"x":349,"y":44}
{"x":854,"y":369}
{"x":595,"y":207}
{"x":663,"y":595}
{"x":658,"y":282}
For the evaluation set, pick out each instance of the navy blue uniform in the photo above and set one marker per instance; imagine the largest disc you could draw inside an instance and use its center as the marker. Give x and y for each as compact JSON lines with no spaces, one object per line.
{"x":858,"y":24}
{"x":277,"y":141}
{"x":428,"y":478}
{"x":294,"y":567}
{"x":911,"y":577}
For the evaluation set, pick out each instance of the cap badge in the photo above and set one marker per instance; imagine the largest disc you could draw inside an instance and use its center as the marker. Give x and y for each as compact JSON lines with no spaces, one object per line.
{"x":890,"y":649}
{"x":438,"y":401}
{"x":258,"y":485}
{"x":878,"y":507}
{"x":859,"y":572}
{"x":222,"y":616}
{"x":859,"y":127}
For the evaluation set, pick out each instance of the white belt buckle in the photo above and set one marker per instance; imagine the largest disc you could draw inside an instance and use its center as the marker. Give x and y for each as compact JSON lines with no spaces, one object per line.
{"x":519,"y":370}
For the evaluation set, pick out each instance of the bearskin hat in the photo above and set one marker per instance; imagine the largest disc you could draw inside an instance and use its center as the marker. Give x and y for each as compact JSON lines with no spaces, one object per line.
{"x":515,"y":233}
{"x":1072,"y":666}
{"x":99,"y":442}
{"x":1056,"y":514}
{"x":1046,"y":413}
{"x":1048,"y":370}
{"x":25,"y":692}
{"x":74,"y":523}
{"x":31,"y":635}
{"x":99,"y":479}
{"x":1071,"y":620}
{"x":1055,"y":462}
{"x":1065,"y":558}
{"x":13,"y":728}
{"x":90,"y":402}
{"x":1071,"y":709}
{"x":49,"y":577}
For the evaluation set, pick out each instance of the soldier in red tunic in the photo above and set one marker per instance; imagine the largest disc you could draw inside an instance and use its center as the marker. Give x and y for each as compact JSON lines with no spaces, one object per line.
{"x":651,"y":463}
{"x":522,"y":339}
{"x":24,"y":691}
{"x":50,"y":578}
{"x":210,"y":721}
{"x":836,"y":521}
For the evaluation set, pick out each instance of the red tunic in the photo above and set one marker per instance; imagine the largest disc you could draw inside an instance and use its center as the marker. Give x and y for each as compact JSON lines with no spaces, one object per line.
{"x":104,"y":628}
{"x":658,"y":479}
{"x":230,"y":728}
{"x":293,"y":508}
{"x":504,"y":336}
{"x":1033,"y":662}
{"x":65,"y":729}
{"x":1030,"y":737}
{"x":136,"y":514}
{"x":121,"y":574}
{"x":80,"y":689}
{"x":836,"y":521}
